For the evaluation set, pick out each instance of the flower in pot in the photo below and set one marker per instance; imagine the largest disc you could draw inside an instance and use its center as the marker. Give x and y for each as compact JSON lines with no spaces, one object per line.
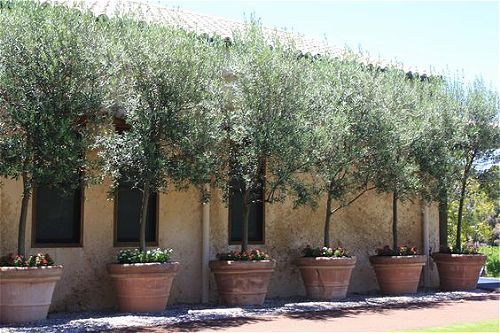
{"x":48,"y":80}
{"x":143,"y":279}
{"x":326,"y":272}
{"x":477,"y":137}
{"x":164,"y":97}
{"x":242,"y":277}
{"x":398,"y":270}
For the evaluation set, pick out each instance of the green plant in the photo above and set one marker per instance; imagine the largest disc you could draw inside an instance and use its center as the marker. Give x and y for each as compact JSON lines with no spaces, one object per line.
{"x":402,"y":116}
{"x":35,"y":260}
{"x":338,"y":252}
{"x":166,"y":86}
{"x":248,"y":255}
{"x":344,"y":119}
{"x":492,"y":260}
{"x":136,"y":256}
{"x":50,"y":86}
{"x":266,"y":92}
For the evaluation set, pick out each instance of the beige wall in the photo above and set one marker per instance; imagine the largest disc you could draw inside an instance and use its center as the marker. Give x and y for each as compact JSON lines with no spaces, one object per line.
{"x":85,"y":285}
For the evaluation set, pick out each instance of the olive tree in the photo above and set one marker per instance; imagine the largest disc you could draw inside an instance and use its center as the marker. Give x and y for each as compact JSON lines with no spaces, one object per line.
{"x":480,"y":136}
{"x":49,"y":86}
{"x":267,"y":92}
{"x":398,"y":171}
{"x":345,"y":119}
{"x":166,"y":92}
{"x":436,"y":150}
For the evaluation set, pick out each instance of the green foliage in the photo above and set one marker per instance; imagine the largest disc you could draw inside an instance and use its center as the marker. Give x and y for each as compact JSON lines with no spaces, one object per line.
{"x":49,"y":80}
{"x":50,"y":87}
{"x":478,"y":210}
{"x":489,"y":183}
{"x":136,"y":256}
{"x":166,"y":94}
{"x":492,"y":260}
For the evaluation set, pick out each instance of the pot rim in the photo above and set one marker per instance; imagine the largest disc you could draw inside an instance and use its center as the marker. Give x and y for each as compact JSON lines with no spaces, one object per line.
{"x":144,"y":264}
{"x":27,"y":269}
{"x":458,"y":255}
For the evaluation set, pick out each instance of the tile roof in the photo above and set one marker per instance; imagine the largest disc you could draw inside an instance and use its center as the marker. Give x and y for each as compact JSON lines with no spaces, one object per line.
{"x":212,"y":25}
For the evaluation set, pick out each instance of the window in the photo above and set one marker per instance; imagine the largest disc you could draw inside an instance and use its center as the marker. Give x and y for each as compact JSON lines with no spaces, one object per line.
{"x":128,"y":203}
{"x":57,"y":217}
{"x":255,"y":218}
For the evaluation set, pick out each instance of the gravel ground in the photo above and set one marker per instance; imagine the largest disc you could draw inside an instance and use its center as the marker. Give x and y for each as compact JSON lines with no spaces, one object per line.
{"x":98,"y":321}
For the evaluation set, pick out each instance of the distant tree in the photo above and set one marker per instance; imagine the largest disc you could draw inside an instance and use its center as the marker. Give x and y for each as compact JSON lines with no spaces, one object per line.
{"x":50,"y":85}
{"x":166,"y":92}
{"x":478,"y":210}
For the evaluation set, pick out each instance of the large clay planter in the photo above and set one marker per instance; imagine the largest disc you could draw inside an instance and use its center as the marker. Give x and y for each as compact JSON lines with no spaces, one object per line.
{"x":458,"y":271}
{"x":242,"y":282}
{"x":398,"y":274}
{"x":26,"y":292}
{"x":143,"y":287}
{"x":326,"y":278}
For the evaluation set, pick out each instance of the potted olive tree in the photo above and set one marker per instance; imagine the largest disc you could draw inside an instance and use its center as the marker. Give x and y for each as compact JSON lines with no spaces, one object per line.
{"x":164,"y":94}
{"x":261,"y":147}
{"x":478,"y":109}
{"x":398,"y":268}
{"x":48,"y":83}
{"x":341,"y":162}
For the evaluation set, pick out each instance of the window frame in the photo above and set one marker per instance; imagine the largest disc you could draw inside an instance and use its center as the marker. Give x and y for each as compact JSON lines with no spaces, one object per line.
{"x":116,"y":243}
{"x":35,"y":244}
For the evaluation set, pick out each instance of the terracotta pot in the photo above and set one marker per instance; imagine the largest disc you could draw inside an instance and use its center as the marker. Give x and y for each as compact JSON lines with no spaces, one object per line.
{"x":143,"y":287}
{"x":242,"y":282}
{"x":398,"y":274}
{"x":326,"y":278}
{"x":26,"y":292}
{"x":458,"y":271}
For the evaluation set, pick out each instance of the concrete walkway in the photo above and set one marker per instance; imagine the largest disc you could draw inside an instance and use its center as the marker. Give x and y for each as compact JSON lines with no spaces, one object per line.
{"x":385,"y":319}
{"x":489,"y":283}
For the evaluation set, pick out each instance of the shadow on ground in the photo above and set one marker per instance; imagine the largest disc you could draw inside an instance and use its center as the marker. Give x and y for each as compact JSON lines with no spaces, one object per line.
{"x":194,"y":326}
{"x":197,"y":326}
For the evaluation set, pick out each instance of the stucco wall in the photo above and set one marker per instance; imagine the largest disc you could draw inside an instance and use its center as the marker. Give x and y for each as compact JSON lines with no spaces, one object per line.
{"x":85,"y":285}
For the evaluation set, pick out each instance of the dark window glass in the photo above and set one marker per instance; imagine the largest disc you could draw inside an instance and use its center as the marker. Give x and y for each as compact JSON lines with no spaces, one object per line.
{"x":57,"y":216}
{"x":128,"y":212}
{"x":255,"y":218}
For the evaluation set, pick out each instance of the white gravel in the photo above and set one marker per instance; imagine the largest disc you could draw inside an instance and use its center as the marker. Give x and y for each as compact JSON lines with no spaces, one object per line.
{"x":98,"y":321}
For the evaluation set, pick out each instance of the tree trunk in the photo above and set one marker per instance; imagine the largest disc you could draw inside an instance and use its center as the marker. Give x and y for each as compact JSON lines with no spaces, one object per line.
{"x":328,"y":221}
{"x":21,"y":239}
{"x":143,"y":218}
{"x":395,"y":220}
{"x":443,"y":217}
{"x":468,"y":165}
{"x":246,"y":213}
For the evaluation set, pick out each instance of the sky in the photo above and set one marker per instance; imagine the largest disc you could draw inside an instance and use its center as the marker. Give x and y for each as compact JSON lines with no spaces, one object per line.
{"x":445,"y":37}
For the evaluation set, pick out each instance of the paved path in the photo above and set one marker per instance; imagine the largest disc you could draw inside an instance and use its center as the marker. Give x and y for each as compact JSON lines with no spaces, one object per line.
{"x":489,"y":283}
{"x":388,"y":319}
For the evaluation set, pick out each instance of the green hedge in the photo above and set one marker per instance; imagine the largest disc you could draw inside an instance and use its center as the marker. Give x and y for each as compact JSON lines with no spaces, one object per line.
{"x":493,"y":261}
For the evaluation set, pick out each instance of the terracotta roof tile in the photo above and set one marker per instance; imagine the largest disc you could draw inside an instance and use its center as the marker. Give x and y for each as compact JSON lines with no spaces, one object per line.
{"x":211,"y":25}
